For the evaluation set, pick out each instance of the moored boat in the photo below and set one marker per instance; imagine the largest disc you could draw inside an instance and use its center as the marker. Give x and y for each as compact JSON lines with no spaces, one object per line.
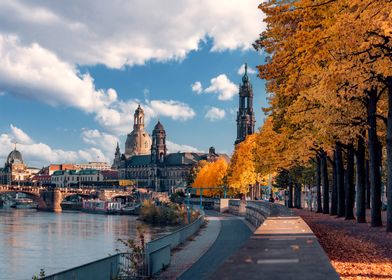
{"x":101,"y":207}
{"x":24,"y":203}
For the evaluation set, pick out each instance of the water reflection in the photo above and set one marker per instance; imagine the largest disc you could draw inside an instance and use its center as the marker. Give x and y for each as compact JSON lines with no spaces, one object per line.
{"x":31,"y":240}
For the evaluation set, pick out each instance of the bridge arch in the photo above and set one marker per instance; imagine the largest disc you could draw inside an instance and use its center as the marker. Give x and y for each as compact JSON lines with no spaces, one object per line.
{"x":36,"y":197}
{"x":82,"y":195}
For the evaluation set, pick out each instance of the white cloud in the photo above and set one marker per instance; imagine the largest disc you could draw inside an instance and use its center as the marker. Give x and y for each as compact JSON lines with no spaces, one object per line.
{"x":170,"y":108}
{"x":20,"y":136}
{"x":36,"y":73}
{"x":222,"y":86}
{"x":214,"y":114}
{"x":241,"y":70}
{"x":197,"y":87}
{"x":174,"y":148}
{"x":100,"y":140}
{"x":131,"y":32}
{"x":39,"y":154}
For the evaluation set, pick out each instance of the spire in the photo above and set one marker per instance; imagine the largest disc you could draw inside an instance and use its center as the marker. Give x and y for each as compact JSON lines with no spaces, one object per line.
{"x":245,"y":78}
{"x":245,"y":114}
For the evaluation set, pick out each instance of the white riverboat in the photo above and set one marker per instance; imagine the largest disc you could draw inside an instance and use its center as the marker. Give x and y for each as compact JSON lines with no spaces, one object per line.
{"x":101,"y":207}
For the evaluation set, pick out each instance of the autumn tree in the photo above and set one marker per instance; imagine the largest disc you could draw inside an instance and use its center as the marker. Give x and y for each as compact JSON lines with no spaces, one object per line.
{"x":328,"y":69}
{"x":211,"y":175}
{"x":242,"y":170}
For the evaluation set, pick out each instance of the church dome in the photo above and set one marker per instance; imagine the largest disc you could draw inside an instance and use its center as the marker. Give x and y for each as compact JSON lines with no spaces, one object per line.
{"x":159,"y":126}
{"x":138,"y":143}
{"x":14,"y":157}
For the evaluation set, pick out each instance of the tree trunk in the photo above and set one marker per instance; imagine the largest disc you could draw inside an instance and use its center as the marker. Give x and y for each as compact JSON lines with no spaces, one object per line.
{"x":389,"y":157}
{"x":324,"y":176}
{"x":349,"y":183}
{"x":368,"y":199}
{"x":298,"y":197}
{"x":340,"y":180}
{"x":318,"y":180}
{"x":290,"y":200}
{"x":334,"y":198}
{"x":361,"y":181}
{"x":374,"y":161}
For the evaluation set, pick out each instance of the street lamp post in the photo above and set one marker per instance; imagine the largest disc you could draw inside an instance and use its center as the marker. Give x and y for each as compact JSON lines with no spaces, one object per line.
{"x":188,"y":194}
{"x":201,"y":199}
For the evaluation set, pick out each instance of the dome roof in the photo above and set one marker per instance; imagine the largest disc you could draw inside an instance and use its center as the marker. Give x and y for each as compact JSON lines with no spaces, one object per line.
{"x":139,"y":110}
{"x":14,"y":157}
{"x":138,"y":143}
{"x":159,"y":126}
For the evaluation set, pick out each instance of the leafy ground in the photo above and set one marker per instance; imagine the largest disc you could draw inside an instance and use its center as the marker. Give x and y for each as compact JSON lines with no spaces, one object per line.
{"x":357,"y":251}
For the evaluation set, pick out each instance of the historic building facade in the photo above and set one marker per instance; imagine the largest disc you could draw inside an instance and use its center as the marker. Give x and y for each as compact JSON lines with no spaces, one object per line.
{"x":76,"y":178}
{"x":245,"y":115}
{"x":156,"y":168}
{"x":15,"y":171}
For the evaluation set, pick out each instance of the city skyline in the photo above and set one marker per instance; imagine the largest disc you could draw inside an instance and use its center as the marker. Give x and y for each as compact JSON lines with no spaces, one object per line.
{"x":71,"y":100}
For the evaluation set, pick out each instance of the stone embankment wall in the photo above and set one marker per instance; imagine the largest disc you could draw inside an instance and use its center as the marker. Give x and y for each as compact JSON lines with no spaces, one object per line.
{"x":257,"y":211}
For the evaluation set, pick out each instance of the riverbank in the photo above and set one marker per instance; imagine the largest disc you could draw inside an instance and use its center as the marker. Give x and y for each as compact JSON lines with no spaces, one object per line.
{"x":34,"y":239}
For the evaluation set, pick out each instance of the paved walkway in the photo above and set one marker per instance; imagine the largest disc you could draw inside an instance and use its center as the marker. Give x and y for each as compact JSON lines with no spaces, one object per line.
{"x":234,"y":232}
{"x":189,"y":252}
{"x":282,"y":248}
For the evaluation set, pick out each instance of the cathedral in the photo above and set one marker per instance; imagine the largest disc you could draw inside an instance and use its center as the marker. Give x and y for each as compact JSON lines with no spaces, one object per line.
{"x":245,"y":115}
{"x":147,"y":162}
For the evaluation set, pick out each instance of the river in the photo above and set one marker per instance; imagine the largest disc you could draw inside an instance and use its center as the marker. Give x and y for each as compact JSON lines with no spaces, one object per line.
{"x":31,"y":240}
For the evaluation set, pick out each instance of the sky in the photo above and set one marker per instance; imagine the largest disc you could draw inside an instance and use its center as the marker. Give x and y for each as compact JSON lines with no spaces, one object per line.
{"x":73,"y":72}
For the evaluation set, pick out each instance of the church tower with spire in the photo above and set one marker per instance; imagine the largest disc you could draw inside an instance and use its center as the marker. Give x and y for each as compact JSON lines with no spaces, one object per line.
{"x":245,"y":115}
{"x":117,"y":158}
{"x":158,"y":147}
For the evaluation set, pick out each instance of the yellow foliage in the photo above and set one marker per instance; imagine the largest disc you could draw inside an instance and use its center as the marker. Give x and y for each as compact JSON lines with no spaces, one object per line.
{"x":211,"y":175}
{"x":242,"y":170}
{"x":325,"y":56}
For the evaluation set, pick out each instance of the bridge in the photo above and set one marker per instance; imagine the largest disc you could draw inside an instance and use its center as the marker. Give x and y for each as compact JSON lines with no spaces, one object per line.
{"x":49,"y":199}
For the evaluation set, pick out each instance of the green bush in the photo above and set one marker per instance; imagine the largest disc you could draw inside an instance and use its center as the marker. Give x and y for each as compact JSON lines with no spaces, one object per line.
{"x":167,"y":213}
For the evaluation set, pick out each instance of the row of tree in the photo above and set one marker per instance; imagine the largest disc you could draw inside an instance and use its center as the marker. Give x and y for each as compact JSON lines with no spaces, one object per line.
{"x":329,"y":75}
{"x":329,"y":121}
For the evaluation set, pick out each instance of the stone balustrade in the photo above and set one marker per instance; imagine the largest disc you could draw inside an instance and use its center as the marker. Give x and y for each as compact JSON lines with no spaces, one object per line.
{"x":256,"y":211}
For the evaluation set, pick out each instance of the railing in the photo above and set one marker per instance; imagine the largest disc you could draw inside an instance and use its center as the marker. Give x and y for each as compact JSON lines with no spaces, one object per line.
{"x":131,"y":265}
{"x":159,"y":249}
{"x":119,"y":266}
{"x":257,"y":211}
{"x":106,"y":268}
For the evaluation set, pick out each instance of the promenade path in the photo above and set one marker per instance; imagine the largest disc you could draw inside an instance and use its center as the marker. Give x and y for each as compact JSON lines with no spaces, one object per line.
{"x":283,"y":247}
{"x":233,"y":233}
{"x":192,"y":250}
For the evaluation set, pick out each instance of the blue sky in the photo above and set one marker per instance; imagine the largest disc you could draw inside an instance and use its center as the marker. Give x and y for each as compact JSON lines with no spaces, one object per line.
{"x":68,"y":90}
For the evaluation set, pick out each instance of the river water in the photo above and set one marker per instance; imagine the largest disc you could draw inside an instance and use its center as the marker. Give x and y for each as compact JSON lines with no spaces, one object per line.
{"x":31,"y":240}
